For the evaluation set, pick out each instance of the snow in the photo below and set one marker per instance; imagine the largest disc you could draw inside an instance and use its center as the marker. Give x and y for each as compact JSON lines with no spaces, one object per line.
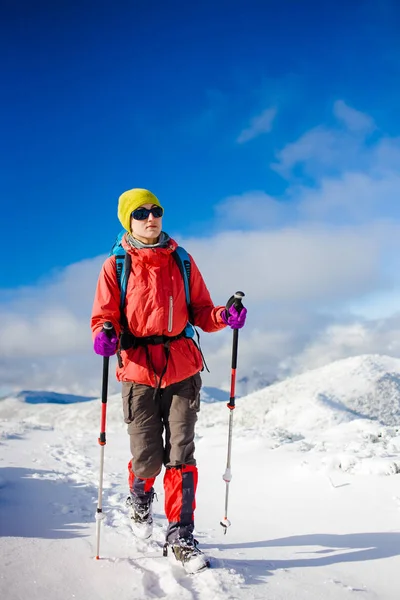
{"x":314,"y":500}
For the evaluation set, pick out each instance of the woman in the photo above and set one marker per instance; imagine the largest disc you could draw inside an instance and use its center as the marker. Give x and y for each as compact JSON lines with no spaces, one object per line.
{"x":158,"y":366}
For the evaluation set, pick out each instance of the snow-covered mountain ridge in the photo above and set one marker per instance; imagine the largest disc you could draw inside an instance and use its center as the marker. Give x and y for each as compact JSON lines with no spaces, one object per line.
{"x":361,"y":387}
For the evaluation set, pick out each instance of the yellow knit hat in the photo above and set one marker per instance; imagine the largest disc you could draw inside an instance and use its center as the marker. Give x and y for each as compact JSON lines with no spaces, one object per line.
{"x":132,"y":199}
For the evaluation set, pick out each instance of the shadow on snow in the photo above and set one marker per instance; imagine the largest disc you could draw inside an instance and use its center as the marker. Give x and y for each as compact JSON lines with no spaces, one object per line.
{"x":44,"y":504}
{"x":327,"y":549}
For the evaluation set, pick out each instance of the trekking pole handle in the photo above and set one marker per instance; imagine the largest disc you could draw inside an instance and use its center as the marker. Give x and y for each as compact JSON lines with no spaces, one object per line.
{"x":108,"y":328}
{"x":238,"y":296}
{"x":237,"y":302}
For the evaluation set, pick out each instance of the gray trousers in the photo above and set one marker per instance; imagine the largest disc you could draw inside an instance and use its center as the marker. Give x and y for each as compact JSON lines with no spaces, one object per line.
{"x":161,"y":429}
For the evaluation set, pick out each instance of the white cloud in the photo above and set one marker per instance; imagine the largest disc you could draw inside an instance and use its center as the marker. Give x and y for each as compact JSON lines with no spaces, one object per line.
{"x":51,"y":318}
{"x":342,"y":340}
{"x":255,"y":209}
{"x":355,"y":196}
{"x":260,"y":124}
{"x":318,"y":144}
{"x":292,"y":265}
{"x":323,"y":150}
{"x":353,"y":119}
{"x":46,"y":338}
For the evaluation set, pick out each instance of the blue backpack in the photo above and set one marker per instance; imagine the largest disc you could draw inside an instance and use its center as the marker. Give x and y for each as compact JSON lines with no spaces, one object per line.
{"x":123,"y":264}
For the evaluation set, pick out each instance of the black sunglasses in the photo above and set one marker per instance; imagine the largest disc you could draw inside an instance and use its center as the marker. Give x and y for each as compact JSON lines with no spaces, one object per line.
{"x":141,"y":214}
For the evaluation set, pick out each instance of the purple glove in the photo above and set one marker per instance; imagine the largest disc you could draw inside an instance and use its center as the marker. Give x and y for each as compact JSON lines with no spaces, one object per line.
{"x":233,"y":318}
{"x":104,"y":345}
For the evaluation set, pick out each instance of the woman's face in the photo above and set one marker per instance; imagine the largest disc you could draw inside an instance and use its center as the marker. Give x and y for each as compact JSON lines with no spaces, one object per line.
{"x":148,"y":230}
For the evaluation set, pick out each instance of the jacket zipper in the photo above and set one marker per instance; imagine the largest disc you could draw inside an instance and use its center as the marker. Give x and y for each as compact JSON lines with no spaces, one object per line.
{"x":170,"y":313}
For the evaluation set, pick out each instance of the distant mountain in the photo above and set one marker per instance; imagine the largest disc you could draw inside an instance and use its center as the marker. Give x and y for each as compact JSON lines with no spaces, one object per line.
{"x":212,"y":394}
{"x":38,"y":397}
{"x":256,"y":380}
{"x":245,"y":385}
{"x":362,"y":387}
{"x":209,"y":394}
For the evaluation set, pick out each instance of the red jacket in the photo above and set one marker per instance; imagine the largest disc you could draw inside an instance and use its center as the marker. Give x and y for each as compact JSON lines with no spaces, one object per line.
{"x":155,"y":305}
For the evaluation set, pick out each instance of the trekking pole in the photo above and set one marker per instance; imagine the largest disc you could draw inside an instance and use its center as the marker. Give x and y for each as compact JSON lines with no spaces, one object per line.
{"x":227,"y":476}
{"x":109,"y":330}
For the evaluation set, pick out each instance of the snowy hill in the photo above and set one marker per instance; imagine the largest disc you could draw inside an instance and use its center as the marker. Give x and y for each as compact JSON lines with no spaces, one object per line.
{"x":312,"y":516}
{"x":361,"y":387}
{"x":348,"y":410}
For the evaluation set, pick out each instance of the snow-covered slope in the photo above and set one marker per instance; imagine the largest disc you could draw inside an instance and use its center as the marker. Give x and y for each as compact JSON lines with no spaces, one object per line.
{"x":312,"y":517}
{"x":361,"y":387}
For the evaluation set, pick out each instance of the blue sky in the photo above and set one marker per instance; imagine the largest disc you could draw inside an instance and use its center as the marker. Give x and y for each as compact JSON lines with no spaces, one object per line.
{"x":270,"y":132}
{"x":99,"y":97}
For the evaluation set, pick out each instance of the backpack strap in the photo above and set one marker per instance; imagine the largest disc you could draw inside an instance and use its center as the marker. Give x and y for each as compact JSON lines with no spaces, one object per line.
{"x":117,"y":247}
{"x":182,"y":259}
{"x":123,"y":283}
{"x":123,"y":263}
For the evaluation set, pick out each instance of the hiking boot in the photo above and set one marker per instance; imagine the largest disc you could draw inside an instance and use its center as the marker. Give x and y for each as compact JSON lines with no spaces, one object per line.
{"x":141,"y":515}
{"x":187,"y":552}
